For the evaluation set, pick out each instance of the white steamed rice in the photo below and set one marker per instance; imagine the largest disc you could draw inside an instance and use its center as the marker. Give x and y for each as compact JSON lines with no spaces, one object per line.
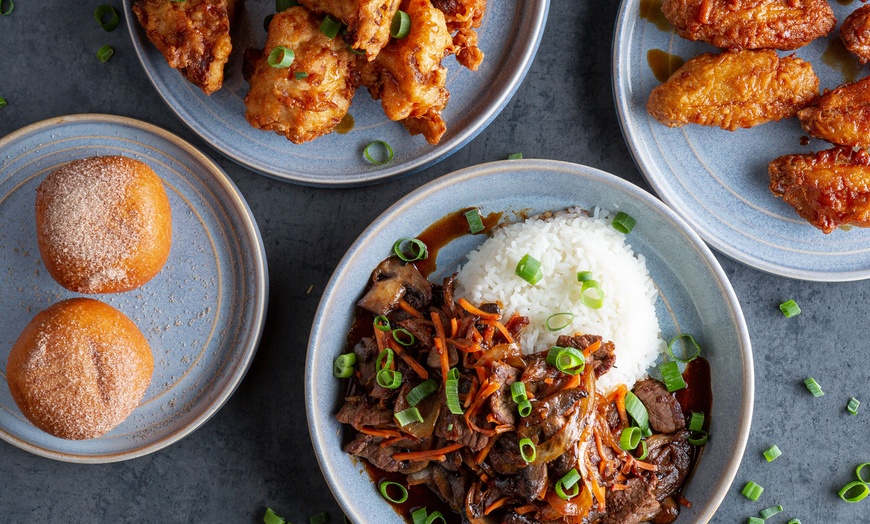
{"x":566,"y":243}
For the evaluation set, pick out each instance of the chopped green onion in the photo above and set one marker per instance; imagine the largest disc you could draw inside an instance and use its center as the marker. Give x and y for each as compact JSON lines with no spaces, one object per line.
{"x":401,"y":25}
{"x":696,"y":421}
{"x":529,"y":269}
{"x":772,"y":453}
{"x":105,"y":53}
{"x":330,"y":27}
{"x":518,"y":391}
{"x":766,"y":513}
{"x":559,"y":321}
{"x":698,"y":438}
{"x":386,"y":484}
{"x":343,"y":365}
{"x":435,"y":515}
{"x":569,"y":481}
{"x":300,"y":75}
{"x":687,"y":356}
{"x":475,"y":223}
{"x":854,"y":491}
{"x":451,"y":389}
{"x":8,"y":10}
{"x":646,"y":432}
{"x":418,"y":516}
{"x":271,"y":518}
{"x":644,"y":450}
{"x":3,"y":102}
{"x":567,"y":360}
{"x":583,"y":276}
{"x":267,"y":21}
{"x":591,"y":294}
{"x":421,"y":391}
{"x":410,"y":249}
{"x":404,"y":337}
{"x":671,"y":376}
{"x":524,"y":407}
{"x":283,"y":5}
{"x":385,"y":359}
{"x":281,"y":57}
{"x":320,"y":518}
{"x":515,"y":156}
{"x":386,"y":152}
{"x":528,"y":450}
{"x":752,"y":491}
{"x":355,"y":51}
{"x":637,"y":410}
{"x":853,"y":406}
{"x":629,"y":438}
{"x":623,"y":223}
{"x":814,"y":387}
{"x":858,"y":471}
{"x":755,"y":520}
{"x":450,"y":427}
{"x":389,"y":379}
{"x":103,"y":10}
{"x":407,"y":416}
{"x":794,"y":521}
{"x":790,"y":308}
{"x":382,"y":323}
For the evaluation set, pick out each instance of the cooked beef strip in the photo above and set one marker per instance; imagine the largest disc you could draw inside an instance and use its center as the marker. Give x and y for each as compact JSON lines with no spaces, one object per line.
{"x":513,"y":517}
{"x":673,"y":456}
{"x":420,"y":328}
{"x":366,"y":351}
{"x":665,"y":414}
{"x":504,"y":409}
{"x":549,"y":414}
{"x":359,"y":412}
{"x":637,"y":503}
{"x":533,"y":482}
{"x":459,"y":432}
{"x":601,"y":359}
{"x":505,"y":455}
{"x":450,"y":487}
{"x":369,"y":448}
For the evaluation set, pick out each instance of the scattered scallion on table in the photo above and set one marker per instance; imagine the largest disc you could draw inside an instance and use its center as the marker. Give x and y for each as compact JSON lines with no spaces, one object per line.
{"x":790,"y":308}
{"x":772,"y":453}
{"x":515,"y":156}
{"x":855,"y":491}
{"x":3,"y":102}
{"x":794,"y":521}
{"x":10,"y":6}
{"x":814,"y":387}
{"x":272,"y":518}
{"x":852,"y":407}
{"x":858,"y":472}
{"x":320,"y":518}
{"x":100,"y":16}
{"x":755,"y":520}
{"x":766,"y":513}
{"x":752,"y":491}
{"x":105,"y":53}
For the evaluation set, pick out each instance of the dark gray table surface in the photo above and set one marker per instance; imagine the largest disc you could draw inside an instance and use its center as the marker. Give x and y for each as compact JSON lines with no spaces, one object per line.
{"x":255,"y":452}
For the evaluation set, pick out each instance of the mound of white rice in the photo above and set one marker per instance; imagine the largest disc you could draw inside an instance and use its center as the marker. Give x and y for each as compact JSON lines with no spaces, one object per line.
{"x":566,"y":243}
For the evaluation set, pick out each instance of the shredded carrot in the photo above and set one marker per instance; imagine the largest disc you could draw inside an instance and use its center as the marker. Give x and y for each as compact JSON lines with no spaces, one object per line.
{"x":683,"y":501}
{"x":385,"y":433}
{"x":464,"y":345}
{"x":470,"y":396}
{"x":620,"y":403}
{"x":475,"y":334}
{"x":481,"y":374}
{"x":487,"y":335}
{"x":591,"y":348}
{"x":505,"y":333}
{"x":645,"y":465}
{"x":619,"y":487}
{"x":381,"y":339}
{"x":429,"y":454}
{"x":454,"y":327}
{"x":420,"y":370}
{"x":603,"y":464}
{"x":485,"y":391}
{"x":443,"y":357}
{"x":528,"y":508}
{"x":572,"y":382}
{"x":485,"y":451}
{"x":409,"y":309}
{"x":495,"y":505}
{"x":478,"y":312}
{"x":598,"y":491}
{"x":391,"y":441}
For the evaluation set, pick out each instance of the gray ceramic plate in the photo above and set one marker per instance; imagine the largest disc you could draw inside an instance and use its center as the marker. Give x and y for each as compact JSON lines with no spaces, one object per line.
{"x":695,"y":297}
{"x":717,"y":180}
{"x":509,"y":37}
{"x":202,"y":314}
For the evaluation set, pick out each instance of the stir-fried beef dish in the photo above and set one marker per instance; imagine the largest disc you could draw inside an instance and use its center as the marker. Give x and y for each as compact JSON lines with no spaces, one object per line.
{"x":442,"y":395}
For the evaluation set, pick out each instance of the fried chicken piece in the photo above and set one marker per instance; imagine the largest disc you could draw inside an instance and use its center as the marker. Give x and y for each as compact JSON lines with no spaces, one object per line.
{"x":855,"y":33}
{"x":829,"y":189}
{"x":738,"y":88}
{"x":751,"y":24}
{"x":407,"y":76}
{"x":193,"y":35}
{"x":463,"y":17}
{"x":841,"y":116}
{"x":368,"y":21}
{"x":309,"y":98}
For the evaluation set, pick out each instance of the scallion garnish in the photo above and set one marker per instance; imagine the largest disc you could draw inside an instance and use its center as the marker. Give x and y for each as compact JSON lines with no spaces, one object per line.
{"x":475,"y":223}
{"x":568,"y":482}
{"x":355,"y":51}
{"x":10,"y":7}
{"x":300,"y":75}
{"x":583,"y":276}
{"x":671,"y":376}
{"x":567,"y":360}
{"x":410,"y":249}
{"x":385,"y":359}
{"x":389,"y":379}
{"x":814,"y":387}
{"x":281,"y":57}
{"x":766,"y":513}
{"x":435,"y":515}
{"x":755,"y":520}
{"x":385,"y":485}
{"x":330,"y":27}
{"x":524,"y":407}
{"x":105,"y":53}
{"x":267,"y":21}
{"x":283,"y":5}
{"x":696,"y":421}
{"x":644,"y":450}
{"x":855,"y":491}
{"x":591,"y":294}
{"x":629,"y":438}
{"x":271,"y":518}
{"x":623,"y":223}
{"x":518,"y":391}
{"x":515,"y":156}
{"x":385,"y":153}
{"x":320,"y":518}
{"x":858,"y":471}
{"x":772,"y":453}
{"x":790,"y":308}
{"x":113,"y":21}
{"x":343,"y":365}
{"x":3,"y":102}
{"x":401,"y":25}
{"x":698,"y":438}
{"x":421,"y":391}
{"x":852,"y":407}
{"x":794,"y":521}
{"x":404,"y":337}
{"x":451,"y":390}
{"x":408,"y":416}
{"x":528,"y":450}
{"x":752,"y":491}
{"x":635,"y":408}
{"x":529,"y":269}
{"x":688,"y":355}
{"x":418,"y":516}
{"x":382,"y":323}
{"x":559,"y":321}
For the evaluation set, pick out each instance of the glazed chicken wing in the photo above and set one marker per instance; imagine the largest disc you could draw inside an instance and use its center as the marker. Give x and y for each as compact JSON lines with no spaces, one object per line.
{"x":739,"y":88}
{"x":407,"y":76}
{"x":841,"y":116}
{"x":193,"y":35}
{"x":855,"y":33}
{"x":463,"y":17}
{"x":829,"y":189}
{"x":368,"y":21}
{"x":309,"y":98}
{"x":751,"y":24}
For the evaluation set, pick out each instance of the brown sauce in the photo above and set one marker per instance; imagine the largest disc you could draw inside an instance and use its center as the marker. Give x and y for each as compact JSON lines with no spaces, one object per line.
{"x":663,"y":64}
{"x":419,"y":496}
{"x":698,"y":394}
{"x":446,"y":230}
{"x":651,"y":11}
{"x":845,"y":2}
{"x":805,"y":140}
{"x":838,"y":57}
{"x":346,"y":125}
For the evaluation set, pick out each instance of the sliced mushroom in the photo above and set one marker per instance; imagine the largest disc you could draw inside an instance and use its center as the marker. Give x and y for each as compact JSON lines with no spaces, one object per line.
{"x":391,"y":279}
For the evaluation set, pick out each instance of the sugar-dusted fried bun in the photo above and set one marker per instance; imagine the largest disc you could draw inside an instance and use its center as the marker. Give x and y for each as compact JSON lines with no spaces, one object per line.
{"x":79,"y":369}
{"x":103,"y":224}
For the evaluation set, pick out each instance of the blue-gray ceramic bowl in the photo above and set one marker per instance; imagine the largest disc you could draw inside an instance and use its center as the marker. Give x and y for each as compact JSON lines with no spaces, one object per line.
{"x":202,"y":314}
{"x":509,"y":36}
{"x":694,"y":297}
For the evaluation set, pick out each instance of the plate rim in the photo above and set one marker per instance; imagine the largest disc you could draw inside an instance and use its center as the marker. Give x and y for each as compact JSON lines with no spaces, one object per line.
{"x":486,"y":169}
{"x":261,"y":285}
{"x":441,"y":151}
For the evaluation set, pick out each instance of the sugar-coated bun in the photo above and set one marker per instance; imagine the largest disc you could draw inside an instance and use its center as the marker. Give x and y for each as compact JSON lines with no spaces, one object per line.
{"x":79,"y":369}
{"x":103,"y":224}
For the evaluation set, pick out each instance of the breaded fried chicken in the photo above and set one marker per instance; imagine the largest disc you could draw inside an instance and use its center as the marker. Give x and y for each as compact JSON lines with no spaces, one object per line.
{"x":740,"y":88}
{"x":751,"y":24}
{"x":855,"y":33}
{"x":309,"y":98}
{"x":841,"y":116}
{"x":463,"y":17}
{"x":829,"y":189}
{"x":368,"y":21}
{"x":193,"y":35}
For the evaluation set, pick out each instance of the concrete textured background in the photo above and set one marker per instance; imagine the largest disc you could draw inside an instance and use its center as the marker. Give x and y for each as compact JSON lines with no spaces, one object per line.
{"x":255,"y":452}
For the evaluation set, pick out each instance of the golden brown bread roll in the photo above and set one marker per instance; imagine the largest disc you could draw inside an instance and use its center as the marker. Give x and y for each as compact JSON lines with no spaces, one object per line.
{"x":79,"y":369}
{"x":103,"y":224}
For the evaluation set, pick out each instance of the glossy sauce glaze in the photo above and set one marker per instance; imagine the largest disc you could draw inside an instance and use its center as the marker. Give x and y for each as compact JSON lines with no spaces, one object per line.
{"x":447,"y":229}
{"x":663,"y":64}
